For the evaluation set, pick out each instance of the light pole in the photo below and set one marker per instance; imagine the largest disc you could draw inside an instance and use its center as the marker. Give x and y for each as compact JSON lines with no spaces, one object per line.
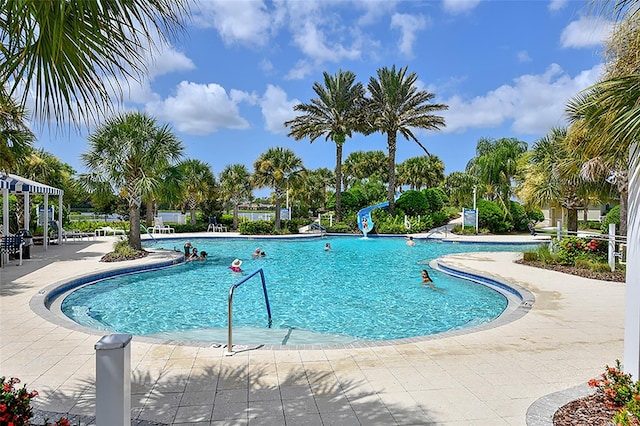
{"x":475,"y":208}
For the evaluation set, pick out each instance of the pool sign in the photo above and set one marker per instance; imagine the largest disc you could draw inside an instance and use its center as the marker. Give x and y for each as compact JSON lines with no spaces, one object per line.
{"x":470,"y":218}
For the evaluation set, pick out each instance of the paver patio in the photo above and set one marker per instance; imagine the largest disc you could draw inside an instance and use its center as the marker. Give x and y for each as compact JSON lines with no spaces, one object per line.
{"x":488,"y":377}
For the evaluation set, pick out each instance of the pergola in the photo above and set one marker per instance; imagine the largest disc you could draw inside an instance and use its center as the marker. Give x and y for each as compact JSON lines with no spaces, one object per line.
{"x":13,"y":184}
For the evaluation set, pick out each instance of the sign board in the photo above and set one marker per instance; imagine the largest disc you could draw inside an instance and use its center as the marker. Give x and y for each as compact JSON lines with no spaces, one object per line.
{"x":470,"y":218}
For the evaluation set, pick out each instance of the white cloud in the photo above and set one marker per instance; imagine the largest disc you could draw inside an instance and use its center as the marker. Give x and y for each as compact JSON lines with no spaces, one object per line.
{"x":523,"y":56}
{"x":533,"y":103}
{"x":585,"y":32}
{"x":276,"y":109}
{"x":247,"y":22}
{"x":456,"y":7}
{"x":313,"y":42}
{"x":408,"y":25}
{"x":199,"y":109}
{"x":555,"y":5}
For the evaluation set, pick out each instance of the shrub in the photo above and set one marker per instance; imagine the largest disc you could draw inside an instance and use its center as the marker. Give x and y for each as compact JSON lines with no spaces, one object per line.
{"x":535,"y":215}
{"x":413,"y":203}
{"x":439,"y":218}
{"x":15,"y":405}
{"x":572,"y":248}
{"x":612,"y":217}
{"x":257,"y":227}
{"x":340,"y":228}
{"x":492,"y":217}
{"x":519,"y":217}
{"x":436,"y":198}
{"x":530,"y":256}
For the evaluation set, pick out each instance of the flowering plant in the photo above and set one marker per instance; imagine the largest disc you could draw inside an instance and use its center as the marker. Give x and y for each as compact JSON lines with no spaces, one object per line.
{"x":620,"y":392}
{"x":15,"y":404}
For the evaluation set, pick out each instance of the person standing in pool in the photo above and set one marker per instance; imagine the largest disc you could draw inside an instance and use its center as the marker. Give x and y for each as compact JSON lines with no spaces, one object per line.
{"x":187,"y":250}
{"x":410,"y":242}
{"x":426,"y":279}
{"x":235,"y":265}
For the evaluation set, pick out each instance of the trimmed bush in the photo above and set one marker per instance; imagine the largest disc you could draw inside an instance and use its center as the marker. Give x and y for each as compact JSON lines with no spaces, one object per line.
{"x":612,"y":217}
{"x":491,"y":216}
{"x":519,"y":217}
{"x":413,"y":203}
{"x":257,"y":227}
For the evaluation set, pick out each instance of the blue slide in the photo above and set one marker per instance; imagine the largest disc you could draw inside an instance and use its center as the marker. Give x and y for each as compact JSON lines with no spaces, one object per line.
{"x":365,"y":223}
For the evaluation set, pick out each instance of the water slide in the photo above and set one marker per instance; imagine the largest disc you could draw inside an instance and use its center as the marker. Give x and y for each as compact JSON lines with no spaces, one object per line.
{"x":365,"y":222}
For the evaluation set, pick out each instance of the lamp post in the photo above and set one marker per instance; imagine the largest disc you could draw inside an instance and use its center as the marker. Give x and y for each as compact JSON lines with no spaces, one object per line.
{"x":475,"y":208}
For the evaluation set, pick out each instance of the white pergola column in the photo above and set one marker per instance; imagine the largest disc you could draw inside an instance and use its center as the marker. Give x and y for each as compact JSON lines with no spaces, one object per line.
{"x":632,"y":297}
{"x":45,"y":240}
{"x":27,"y":213}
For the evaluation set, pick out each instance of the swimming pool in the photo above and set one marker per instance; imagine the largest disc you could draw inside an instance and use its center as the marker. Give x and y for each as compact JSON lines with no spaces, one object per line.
{"x":363,"y":289}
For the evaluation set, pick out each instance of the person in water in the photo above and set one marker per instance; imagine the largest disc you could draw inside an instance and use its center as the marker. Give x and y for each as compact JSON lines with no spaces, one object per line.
{"x":426,"y":279}
{"x":327,"y":247}
{"x":187,"y":250}
{"x":410,"y":242}
{"x":256,"y":252}
{"x":235,"y":265}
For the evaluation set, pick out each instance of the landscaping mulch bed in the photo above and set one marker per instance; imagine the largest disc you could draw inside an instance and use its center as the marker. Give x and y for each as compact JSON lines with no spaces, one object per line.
{"x":115,"y":257}
{"x":588,"y":411}
{"x":617,"y":276}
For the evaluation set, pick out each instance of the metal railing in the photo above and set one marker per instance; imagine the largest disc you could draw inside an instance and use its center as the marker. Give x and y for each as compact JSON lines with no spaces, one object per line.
{"x":231,"y":290}
{"x":438,"y":229}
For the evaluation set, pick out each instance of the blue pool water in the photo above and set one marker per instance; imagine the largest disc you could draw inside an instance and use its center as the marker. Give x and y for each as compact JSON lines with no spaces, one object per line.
{"x":363,"y":289}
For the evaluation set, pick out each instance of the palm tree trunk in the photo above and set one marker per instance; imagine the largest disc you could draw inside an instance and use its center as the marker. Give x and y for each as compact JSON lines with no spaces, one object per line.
{"x":624,"y":202}
{"x":235,"y":214}
{"x":572,"y":221}
{"x":278,"y":204}
{"x":149,"y":214}
{"x":134,"y":225}
{"x":391,"y":190}
{"x":338,"y":182}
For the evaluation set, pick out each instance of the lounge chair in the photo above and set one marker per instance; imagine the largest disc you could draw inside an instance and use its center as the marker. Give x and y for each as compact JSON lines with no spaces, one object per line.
{"x":160,"y":227}
{"x":72,"y":234}
{"x":106,"y":230}
{"x":11,"y":244}
{"x":214,"y":226}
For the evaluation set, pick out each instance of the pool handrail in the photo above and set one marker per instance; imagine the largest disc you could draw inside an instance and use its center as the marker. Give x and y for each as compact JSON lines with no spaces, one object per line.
{"x":231,"y":290}
{"x":149,"y":233}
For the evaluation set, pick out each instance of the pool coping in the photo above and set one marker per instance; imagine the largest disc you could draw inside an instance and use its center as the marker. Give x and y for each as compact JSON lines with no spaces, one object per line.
{"x":44,"y":304}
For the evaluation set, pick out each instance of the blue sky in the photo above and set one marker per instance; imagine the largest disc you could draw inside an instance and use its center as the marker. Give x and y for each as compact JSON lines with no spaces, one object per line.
{"x":505,"y":68}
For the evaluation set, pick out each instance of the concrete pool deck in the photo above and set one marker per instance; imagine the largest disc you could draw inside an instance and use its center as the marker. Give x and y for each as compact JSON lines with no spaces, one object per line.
{"x":488,"y":377}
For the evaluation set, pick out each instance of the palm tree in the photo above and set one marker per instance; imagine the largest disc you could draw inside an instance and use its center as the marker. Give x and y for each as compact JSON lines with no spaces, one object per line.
{"x":16,"y":139}
{"x":361,"y":165}
{"x":554,"y":177}
{"x":197,"y":182}
{"x":69,"y":54}
{"x":421,"y":172}
{"x":334,"y":114}
{"x":315,"y":190}
{"x":235,"y":182}
{"x":277,"y":168}
{"x":396,"y":105}
{"x":495,"y":166}
{"x":126,"y":153}
{"x":459,"y":188}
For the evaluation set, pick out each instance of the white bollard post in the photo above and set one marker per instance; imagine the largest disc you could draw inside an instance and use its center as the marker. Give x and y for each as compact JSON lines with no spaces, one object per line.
{"x":113,"y":380}
{"x":559,"y":230}
{"x":612,"y":247}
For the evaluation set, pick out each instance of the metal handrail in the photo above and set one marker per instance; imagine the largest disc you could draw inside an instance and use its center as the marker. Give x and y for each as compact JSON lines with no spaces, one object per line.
{"x":149,"y":233}
{"x":231,"y":290}
{"x":445,"y":227}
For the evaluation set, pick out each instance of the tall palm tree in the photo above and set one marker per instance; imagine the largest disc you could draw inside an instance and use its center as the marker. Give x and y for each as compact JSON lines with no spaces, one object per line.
{"x":125,"y":153}
{"x":235,"y":182}
{"x":197,"y":182}
{"x":69,"y":54}
{"x":334,"y":114}
{"x":459,"y":188}
{"x":277,"y":168}
{"x":397,"y":106}
{"x":16,"y":139}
